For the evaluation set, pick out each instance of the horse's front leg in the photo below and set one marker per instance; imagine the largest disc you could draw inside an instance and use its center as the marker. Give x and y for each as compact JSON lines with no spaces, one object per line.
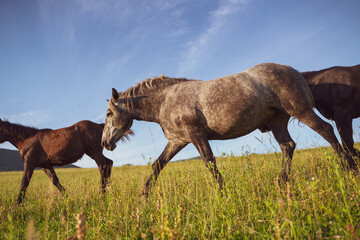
{"x":28,"y":171}
{"x":202,"y":145}
{"x":104,"y":166}
{"x":169,"y":152}
{"x":50,"y":172}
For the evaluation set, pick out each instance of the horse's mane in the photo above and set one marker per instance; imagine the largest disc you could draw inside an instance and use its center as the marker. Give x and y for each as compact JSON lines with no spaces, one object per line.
{"x":20,"y":130}
{"x":160,"y":82}
{"x":150,"y":84}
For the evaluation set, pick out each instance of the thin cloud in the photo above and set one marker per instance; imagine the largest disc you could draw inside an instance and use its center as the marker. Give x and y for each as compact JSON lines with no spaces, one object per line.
{"x":30,"y":118}
{"x":217,"y":19}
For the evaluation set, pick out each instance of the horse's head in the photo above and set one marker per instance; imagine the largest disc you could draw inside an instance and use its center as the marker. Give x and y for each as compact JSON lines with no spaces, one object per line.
{"x":4,"y":133}
{"x":117,"y":123}
{"x":2,"y":139}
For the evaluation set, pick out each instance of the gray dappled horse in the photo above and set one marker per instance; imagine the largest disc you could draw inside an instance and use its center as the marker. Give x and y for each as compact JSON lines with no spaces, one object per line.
{"x":193,"y":111}
{"x":336,"y":92}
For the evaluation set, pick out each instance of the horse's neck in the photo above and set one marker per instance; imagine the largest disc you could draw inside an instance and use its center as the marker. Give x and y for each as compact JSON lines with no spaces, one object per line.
{"x":17,"y":137}
{"x":146,"y":108}
{"x":15,"y":140}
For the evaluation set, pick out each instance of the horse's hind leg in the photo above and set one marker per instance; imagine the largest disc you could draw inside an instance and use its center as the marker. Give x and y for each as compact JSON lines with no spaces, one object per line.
{"x":278,"y":126}
{"x":50,"y":172}
{"x":343,"y":122}
{"x":325,"y":130}
{"x":28,"y":171}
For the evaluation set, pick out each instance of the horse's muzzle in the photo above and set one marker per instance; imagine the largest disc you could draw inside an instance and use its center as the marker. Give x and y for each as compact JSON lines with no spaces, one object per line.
{"x":108,"y":146}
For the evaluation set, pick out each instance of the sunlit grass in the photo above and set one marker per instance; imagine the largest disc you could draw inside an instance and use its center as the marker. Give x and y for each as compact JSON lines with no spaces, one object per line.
{"x":321,"y":201}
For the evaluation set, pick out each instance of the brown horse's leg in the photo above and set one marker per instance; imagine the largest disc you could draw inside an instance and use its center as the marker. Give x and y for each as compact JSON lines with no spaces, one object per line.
{"x":326,"y":131}
{"x":278,"y":126}
{"x":105,"y":170}
{"x":50,"y":172}
{"x":343,"y":122}
{"x":203,"y":147}
{"x":104,"y":166}
{"x":28,"y":171}
{"x":169,"y":152}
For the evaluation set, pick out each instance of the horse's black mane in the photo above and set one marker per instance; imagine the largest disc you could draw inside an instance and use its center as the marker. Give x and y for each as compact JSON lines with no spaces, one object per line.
{"x":20,"y":130}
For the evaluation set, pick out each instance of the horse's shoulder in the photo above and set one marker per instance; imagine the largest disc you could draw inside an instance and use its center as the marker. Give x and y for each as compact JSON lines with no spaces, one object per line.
{"x":30,"y":145}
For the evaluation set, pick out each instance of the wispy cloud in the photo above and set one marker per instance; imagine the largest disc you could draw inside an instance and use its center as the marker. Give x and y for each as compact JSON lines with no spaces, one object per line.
{"x":217,"y":19}
{"x":30,"y":118}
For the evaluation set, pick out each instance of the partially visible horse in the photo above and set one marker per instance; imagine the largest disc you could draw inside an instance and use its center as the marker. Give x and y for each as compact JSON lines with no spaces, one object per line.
{"x":193,"y":111}
{"x":336,"y":92}
{"x":46,"y":148}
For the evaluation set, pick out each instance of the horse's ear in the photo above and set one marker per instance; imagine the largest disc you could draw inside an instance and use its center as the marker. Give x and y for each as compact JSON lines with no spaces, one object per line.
{"x":115,"y":94}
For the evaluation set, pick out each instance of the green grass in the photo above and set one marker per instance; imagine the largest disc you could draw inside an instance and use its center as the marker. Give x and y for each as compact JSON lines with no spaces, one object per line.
{"x":321,"y":201}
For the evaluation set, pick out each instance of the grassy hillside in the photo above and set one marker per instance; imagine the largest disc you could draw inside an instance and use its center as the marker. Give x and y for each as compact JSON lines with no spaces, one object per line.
{"x":321,"y":201}
{"x":10,"y":160}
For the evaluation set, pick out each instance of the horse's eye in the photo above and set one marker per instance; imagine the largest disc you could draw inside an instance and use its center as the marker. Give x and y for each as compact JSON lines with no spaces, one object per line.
{"x":108,"y":114}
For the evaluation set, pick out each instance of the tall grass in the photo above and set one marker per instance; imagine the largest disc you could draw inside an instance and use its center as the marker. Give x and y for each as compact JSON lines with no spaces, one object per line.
{"x":321,"y":201}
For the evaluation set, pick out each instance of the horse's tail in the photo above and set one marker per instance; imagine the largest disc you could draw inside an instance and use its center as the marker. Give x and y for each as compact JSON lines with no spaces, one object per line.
{"x":309,"y":97}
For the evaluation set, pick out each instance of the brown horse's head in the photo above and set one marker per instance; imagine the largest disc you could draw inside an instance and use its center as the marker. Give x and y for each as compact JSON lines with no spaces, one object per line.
{"x":117,"y":123}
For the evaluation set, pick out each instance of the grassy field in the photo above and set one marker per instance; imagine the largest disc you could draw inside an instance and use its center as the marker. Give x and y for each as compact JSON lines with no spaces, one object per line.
{"x":321,"y":201}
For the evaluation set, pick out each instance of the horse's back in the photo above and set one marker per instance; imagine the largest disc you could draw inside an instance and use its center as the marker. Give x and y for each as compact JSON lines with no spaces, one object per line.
{"x":89,"y":126}
{"x":349,"y":76}
{"x":67,"y":145}
{"x":336,"y":89}
{"x":285,"y":85}
{"x":237,"y":104}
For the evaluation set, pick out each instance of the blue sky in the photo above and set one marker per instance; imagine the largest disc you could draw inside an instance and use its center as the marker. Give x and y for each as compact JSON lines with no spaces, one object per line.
{"x":60,"y":59}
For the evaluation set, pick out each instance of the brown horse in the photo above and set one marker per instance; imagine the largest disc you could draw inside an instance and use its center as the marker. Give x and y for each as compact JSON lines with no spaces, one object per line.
{"x":193,"y":111}
{"x":336,"y":92}
{"x":46,"y":148}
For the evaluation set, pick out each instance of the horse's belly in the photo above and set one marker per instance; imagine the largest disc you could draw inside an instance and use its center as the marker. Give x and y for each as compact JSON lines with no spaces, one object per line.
{"x":64,"y":154}
{"x":63,"y":159}
{"x":238,"y":121}
{"x":235,"y":130}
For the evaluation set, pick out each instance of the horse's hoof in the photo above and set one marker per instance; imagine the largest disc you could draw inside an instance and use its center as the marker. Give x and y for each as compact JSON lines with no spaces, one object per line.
{"x":144,"y":196}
